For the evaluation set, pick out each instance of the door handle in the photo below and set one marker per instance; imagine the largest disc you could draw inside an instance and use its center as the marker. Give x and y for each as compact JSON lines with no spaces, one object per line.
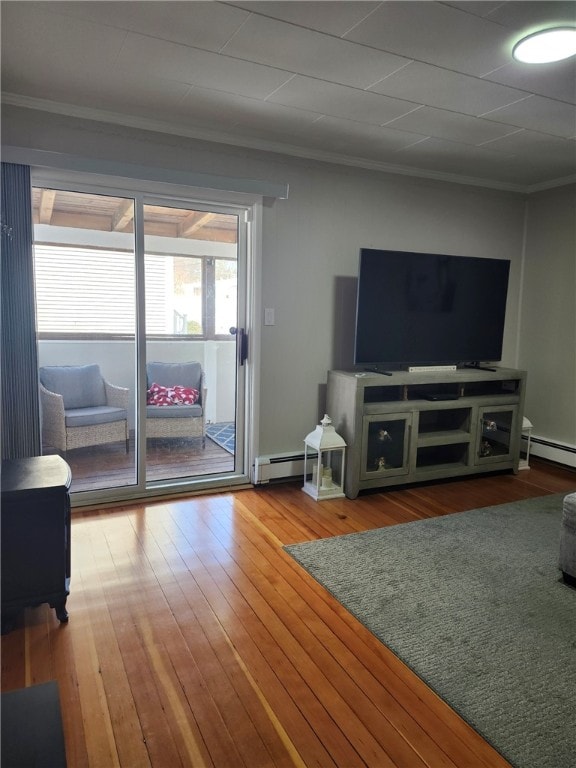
{"x":241,"y":342}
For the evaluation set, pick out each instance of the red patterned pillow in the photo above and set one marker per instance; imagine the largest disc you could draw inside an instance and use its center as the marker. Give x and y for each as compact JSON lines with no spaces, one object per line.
{"x":178,"y":395}
{"x":184,"y":395}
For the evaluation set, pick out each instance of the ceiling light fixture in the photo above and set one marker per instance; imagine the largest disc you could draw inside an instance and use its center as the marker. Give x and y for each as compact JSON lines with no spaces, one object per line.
{"x":546,"y":46}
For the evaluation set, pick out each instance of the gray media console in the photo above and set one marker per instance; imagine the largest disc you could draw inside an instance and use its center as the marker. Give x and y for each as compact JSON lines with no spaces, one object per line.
{"x":423,"y":426}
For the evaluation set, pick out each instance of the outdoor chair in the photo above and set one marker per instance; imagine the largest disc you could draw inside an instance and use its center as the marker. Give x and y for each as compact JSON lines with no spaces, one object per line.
{"x":80,"y":408}
{"x":176,"y":401}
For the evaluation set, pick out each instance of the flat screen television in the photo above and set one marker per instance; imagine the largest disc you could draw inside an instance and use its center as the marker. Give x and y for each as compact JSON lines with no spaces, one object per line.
{"x":416,"y":309}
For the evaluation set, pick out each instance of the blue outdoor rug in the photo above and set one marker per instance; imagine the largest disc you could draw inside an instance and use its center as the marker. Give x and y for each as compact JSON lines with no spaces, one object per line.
{"x":223,"y":434}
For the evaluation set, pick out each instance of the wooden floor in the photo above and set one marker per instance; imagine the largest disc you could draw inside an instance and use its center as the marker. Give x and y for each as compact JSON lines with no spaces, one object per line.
{"x":195,"y":640}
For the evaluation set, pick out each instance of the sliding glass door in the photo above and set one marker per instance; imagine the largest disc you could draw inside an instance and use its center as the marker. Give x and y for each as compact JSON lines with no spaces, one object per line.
{"x":191,"y":277}
{"x":85,"y":271}
{"x":138,"y":302}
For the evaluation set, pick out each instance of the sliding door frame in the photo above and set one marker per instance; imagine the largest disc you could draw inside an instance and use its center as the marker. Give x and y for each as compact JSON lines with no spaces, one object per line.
{"x":248,"y":207}
{"x":240,"y":369}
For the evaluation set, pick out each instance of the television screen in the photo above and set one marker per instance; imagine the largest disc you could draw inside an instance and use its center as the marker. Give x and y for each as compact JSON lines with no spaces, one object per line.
{"x":429,"y":309}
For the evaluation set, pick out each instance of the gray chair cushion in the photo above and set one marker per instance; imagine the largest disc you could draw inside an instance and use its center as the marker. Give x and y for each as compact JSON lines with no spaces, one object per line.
{"x":175,"y":374}
{"x":173,"y":411}
{"x":88,"y":417}
{"x":81,"y":386}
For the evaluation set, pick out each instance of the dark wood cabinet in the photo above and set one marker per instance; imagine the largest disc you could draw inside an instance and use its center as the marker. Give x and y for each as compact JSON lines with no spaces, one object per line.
{"x":35,"y":535}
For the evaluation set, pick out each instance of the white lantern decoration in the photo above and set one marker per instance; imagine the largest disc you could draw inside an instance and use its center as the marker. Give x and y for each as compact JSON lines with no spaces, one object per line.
{"x":526,"y":435}
{"x":325,"y":450}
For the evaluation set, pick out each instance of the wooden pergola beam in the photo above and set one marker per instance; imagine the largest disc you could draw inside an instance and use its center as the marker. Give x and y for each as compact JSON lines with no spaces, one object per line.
{"x":47,"y":197}
{"x":123,"y":215}
{"x":194,"y":222}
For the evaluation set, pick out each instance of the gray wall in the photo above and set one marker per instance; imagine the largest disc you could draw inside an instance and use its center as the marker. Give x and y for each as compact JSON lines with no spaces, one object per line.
{"x":547,"y":347}
{"x":311,"y":244}
{"x":310,"y":249}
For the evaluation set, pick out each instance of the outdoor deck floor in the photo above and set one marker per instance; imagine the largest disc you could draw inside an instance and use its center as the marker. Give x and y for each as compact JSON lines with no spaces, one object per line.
{"x":109,"y":466}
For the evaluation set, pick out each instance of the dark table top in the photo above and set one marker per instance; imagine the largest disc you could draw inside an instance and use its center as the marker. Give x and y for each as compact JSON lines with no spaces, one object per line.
{"x":34,"y":474}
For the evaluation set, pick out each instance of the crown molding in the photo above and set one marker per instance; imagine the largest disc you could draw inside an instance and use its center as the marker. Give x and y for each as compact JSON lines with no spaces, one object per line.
{"x":562,"y":182}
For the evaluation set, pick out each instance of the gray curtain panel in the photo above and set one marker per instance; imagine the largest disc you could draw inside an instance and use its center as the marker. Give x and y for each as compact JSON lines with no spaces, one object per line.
{"x":20,"y":401}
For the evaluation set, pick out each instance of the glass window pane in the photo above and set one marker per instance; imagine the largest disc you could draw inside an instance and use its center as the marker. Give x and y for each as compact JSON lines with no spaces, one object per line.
{"x":190,"y":276}
{"x":84,"y":290}
{"x":84,"y":262}
{"x":191,"y":259}
{"x":86,"y":316}
{"x":225,"y":296}
{"x":173,"y":295}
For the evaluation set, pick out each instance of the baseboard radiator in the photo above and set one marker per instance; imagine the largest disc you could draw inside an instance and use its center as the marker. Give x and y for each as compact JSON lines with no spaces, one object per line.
{"x":562,"y":453}
{"x":289,"y":466}
{"x":279,"y":466}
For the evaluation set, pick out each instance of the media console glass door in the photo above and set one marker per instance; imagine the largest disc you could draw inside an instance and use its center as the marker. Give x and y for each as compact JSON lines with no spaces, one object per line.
{"x":497,"y":430}
{"x":385,"y":441}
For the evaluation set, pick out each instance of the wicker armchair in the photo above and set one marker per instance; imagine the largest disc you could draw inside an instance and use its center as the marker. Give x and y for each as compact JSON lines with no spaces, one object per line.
{"x":80,"y":408}
{"x":177,"y":421}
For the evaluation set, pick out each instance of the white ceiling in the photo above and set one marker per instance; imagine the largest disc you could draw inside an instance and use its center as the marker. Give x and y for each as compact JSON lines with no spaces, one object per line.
{"x":427,"y":88}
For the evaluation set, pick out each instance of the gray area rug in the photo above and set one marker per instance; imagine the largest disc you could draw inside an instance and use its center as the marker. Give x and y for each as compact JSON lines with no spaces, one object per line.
{"x":472,"y":602}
